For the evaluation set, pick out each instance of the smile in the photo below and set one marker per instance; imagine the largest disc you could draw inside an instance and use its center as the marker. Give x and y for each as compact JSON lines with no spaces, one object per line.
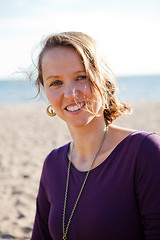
{"x":75,"y":108}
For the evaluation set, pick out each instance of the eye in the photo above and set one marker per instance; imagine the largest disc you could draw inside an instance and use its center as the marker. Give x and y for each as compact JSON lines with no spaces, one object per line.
{"x":56,"y":83}
{"x":81,"y":77}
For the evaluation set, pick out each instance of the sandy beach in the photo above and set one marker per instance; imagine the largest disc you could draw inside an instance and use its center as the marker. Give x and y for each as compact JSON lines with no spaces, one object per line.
{"x":27,"y":135}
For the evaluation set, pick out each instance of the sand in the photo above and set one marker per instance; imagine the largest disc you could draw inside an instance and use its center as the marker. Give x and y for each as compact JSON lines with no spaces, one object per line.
{"x":27,"y":135}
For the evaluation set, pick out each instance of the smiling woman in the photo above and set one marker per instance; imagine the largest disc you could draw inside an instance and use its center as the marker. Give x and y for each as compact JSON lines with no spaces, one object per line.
{"x":103,"y":185}
{"x":98,"y":74}
{"x":67,"y":87}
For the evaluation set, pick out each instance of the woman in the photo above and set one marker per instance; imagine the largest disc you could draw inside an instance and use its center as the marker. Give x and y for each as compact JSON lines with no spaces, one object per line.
{"x":105,"y":184}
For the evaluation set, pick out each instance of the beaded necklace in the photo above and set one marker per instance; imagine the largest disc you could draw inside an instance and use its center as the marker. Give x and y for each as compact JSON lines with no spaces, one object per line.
{"x":65,"y":230}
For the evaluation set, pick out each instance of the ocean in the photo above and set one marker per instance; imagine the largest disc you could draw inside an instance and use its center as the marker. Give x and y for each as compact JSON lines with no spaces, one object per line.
{"x":131,"y":88}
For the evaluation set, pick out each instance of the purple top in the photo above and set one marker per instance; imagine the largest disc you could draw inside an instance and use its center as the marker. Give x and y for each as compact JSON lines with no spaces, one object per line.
{"x":120,"y":201}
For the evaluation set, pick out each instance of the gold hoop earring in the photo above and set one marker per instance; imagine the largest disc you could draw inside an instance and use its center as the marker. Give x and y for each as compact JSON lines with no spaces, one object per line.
{"x":50,"y":111}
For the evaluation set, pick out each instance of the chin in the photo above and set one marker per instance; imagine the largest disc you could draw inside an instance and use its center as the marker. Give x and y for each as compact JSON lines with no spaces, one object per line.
{"x":80,"y":123}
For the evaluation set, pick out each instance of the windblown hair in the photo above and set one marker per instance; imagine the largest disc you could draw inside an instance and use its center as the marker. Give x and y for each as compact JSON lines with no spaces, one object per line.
{"x":99,"y":74}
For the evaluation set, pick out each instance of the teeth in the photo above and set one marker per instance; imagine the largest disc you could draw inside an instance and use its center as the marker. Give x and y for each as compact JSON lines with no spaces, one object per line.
{"x":75,"y":108}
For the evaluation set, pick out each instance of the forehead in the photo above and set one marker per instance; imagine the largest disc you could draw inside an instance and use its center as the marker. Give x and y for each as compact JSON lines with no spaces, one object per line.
{"x":61,"y":61}
{"x":61,"y":55}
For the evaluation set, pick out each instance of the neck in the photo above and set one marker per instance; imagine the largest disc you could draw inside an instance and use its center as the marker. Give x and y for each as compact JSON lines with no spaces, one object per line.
{"x":87,"y":140}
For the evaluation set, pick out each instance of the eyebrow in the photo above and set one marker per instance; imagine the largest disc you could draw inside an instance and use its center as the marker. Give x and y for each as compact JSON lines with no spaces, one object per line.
{"x":52,"y":77}
{"x":57,"y":76}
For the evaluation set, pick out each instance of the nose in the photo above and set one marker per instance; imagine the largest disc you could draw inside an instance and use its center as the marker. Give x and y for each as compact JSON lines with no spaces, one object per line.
{"x":70,"y":91}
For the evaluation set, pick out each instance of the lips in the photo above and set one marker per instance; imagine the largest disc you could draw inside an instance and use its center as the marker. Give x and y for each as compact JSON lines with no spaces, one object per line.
{"x":74,"y":108}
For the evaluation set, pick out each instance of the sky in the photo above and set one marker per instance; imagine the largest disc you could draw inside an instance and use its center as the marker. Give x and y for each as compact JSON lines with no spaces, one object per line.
{"x":127,"y":31}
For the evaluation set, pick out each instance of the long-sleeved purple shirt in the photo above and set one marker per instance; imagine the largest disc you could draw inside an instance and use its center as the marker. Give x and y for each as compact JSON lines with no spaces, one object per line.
{"x":120,"y":201}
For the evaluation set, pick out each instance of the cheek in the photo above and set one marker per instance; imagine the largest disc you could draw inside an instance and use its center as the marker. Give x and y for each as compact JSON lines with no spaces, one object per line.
{"x":86,"y":90}
{"x":97,"y":101}
{"x":53,"y":97}
{"x":92,"y":93}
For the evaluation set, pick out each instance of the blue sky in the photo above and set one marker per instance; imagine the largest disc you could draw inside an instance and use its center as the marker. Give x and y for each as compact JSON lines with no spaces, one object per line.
{"x":127,"y":31}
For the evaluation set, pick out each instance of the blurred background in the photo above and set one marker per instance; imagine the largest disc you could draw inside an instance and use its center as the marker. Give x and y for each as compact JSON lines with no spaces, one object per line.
{"x":127,"y":31}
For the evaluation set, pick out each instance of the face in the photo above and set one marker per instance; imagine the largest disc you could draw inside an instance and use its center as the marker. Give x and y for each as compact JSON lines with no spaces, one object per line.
{"x":67,"y":87}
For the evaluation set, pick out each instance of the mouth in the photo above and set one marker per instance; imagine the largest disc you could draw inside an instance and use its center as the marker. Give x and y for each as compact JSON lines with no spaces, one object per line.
{"x":75,"y":108}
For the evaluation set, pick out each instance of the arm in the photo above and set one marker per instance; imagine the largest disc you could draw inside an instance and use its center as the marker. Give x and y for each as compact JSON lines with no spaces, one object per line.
{"x":148,"y":185}
{"x":40,"y":229}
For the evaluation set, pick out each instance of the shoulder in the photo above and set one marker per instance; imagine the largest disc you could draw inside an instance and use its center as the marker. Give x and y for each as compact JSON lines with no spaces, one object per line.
{"x":146,"y":142}
{"x":54,"y":163}
{"x":147,"y":155}
{"x":55,"y":156}
{"x":58,"y":151}
{"x":147,"y":167}
{"x":150,"y":145}
{"x":138,"y":143}
{"x":145,"y":137}
{"x":132,"y":138}
{"x":123,"y":133}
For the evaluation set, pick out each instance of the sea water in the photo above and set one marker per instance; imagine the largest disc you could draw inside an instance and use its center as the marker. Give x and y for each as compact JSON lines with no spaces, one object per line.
{"x":131,"y":88}
{"x":134,"y":88}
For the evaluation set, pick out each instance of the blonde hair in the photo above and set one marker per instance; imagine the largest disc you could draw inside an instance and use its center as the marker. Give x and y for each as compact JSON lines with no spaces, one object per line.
{"x":99,"y":74}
